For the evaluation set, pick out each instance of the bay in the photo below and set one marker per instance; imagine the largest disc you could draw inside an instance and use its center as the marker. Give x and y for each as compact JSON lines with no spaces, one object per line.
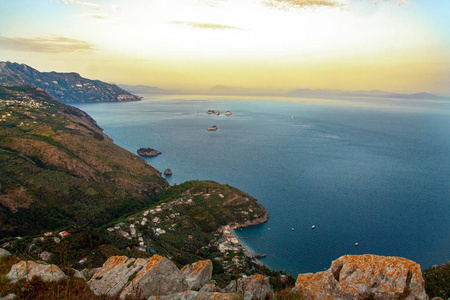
{"x":370,"y":171}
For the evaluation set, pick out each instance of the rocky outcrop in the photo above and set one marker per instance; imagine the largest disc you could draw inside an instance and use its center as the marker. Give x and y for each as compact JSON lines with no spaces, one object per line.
{"x":149,"y":152}
{"x":114,"y":275}
{"x":198,"y":274}
{"x":159,"y":276}
{"x":4,"y":252}
{"x":210,"y":287}
{"x":9,"y":297}
{"x":191,"y":295}
{"x":31,"y":269}
{"x":251,"y":288}
{"x":364,"y":277}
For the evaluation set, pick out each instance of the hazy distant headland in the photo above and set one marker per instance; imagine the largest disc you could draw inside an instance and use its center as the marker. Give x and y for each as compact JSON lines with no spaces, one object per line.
{"x":300,"y":93}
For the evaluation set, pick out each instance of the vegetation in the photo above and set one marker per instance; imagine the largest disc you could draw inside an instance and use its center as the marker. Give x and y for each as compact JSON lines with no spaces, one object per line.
{"x":58,"y":169}
{"x":437,"y":281}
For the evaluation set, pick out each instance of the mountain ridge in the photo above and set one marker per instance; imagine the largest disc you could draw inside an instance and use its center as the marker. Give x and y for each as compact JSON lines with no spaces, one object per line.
{"x":300,"y":93}
{"x":66,"y":87}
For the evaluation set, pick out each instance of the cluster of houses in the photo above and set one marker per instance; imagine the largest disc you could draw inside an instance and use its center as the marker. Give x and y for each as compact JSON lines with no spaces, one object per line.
{"x":26,"y":102}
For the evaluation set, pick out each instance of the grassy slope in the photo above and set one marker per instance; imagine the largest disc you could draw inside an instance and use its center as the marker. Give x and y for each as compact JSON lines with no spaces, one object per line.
{"x":58,"y":168}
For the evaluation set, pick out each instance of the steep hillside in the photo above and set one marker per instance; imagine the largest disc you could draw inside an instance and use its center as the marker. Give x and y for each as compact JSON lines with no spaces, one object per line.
{"x":58,"y":168}
{"x":66,"y":87}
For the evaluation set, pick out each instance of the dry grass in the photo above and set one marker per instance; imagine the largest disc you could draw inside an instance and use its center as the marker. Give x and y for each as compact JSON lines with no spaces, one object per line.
{"x":287,"y":294}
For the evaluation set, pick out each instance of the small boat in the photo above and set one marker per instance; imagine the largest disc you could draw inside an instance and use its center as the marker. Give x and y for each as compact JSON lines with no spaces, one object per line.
{"x":356,"y":244}
{"x":228,"y":113}
{"x":292,"y":228}
{"x":259,"y":255}
{"x":212,"y":128}
{"x":314,"y":226}
{"x":168,"y":172}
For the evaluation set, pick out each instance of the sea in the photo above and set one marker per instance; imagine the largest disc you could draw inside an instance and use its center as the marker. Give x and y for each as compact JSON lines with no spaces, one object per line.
{"x":372,"y":176}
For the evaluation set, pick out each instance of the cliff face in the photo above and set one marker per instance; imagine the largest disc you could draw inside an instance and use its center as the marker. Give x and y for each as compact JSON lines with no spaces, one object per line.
{"x":58,"y":168}
{"x":365,"y":277}
{"x":66,"y":87}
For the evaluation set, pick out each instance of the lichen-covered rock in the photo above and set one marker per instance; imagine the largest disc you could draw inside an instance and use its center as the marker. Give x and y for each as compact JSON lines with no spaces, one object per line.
{"x":198,"y":274}
{"x":211,"y":287}
{"x":159,"y":276}
{"x":88,"y":273}
{"x":114,"y":275}
{"x":31,"y":269}
{"x":9,"y":297}
{"x":255,"y":287}
{"x":77,"y":274}
{"x":192,"y":295}
{"x":364,"y":276}
{"x":4,"y":252}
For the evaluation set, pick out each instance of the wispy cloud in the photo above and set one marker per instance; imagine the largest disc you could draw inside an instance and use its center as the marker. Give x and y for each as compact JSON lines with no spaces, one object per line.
{"x":302,"y":3}
{"x":399,"y":2}
{"x":96,"y":16}
{"x":206,"y":25}
{"x":52,"y":44}
{"x":212,"y":2}
{"x":82,"y":3}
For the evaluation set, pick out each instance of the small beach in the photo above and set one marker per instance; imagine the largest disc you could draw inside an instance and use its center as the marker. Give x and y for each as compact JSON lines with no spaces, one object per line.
{"x":247,"y":250}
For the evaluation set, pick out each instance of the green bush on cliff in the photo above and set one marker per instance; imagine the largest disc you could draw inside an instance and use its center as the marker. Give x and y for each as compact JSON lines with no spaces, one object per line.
{"x":437,"y":281}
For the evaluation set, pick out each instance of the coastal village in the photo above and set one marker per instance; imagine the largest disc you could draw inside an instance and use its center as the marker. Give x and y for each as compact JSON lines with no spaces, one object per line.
{"x":200,"y":219}
{"x":171,"y":218}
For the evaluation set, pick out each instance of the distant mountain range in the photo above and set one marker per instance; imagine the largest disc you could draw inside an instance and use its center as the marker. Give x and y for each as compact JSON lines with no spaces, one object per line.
{"x":65,"y":87}
{"x":301,"y":93}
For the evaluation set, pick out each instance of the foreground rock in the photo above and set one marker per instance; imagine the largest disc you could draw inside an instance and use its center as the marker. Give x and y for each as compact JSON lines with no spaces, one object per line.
{"x":30,"y":269}
{"x":110,"y":279}
{"x":251,"y":288}
{"x":159,"y":276}
{"x":198,"y":274}
{"x":4,"y":252}
{"x":364,"y":277}
{"x":191,"y":295}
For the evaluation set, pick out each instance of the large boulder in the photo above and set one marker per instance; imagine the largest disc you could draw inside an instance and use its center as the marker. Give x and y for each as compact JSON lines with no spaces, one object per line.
{"x":211,"y":287}
{"x":4,"y":252}
{"x":159,"y":276}
{"x":256,"y":287}
{"x":364,"y":277}
{"x":192,"y":295}
{"x":198,"y":274}
{"x":114,"y":275}
{"x":31,"y":269}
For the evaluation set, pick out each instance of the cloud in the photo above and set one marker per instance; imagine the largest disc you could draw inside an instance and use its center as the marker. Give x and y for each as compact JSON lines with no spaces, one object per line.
{"x":302,"y":3}
{"x":398,"y":2}
{"x":212,"y":3}
{"x":206,"y":25}
{"x":96,"y":16}
{"x":53,"y":44}
{"x":76,"y":2}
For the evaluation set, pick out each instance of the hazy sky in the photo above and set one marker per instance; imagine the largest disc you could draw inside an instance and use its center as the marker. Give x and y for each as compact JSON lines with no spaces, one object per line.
{"x":393,"y":45}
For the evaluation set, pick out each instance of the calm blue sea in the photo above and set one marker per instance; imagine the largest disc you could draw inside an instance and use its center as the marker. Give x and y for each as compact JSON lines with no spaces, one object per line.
{"x":374,"y":172}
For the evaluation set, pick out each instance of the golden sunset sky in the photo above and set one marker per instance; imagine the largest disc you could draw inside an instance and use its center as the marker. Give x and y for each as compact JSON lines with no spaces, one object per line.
{"x":392,"y":45}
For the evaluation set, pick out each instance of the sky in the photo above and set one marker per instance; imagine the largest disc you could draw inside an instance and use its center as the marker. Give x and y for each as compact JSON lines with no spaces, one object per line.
{"x":391,"y":45}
